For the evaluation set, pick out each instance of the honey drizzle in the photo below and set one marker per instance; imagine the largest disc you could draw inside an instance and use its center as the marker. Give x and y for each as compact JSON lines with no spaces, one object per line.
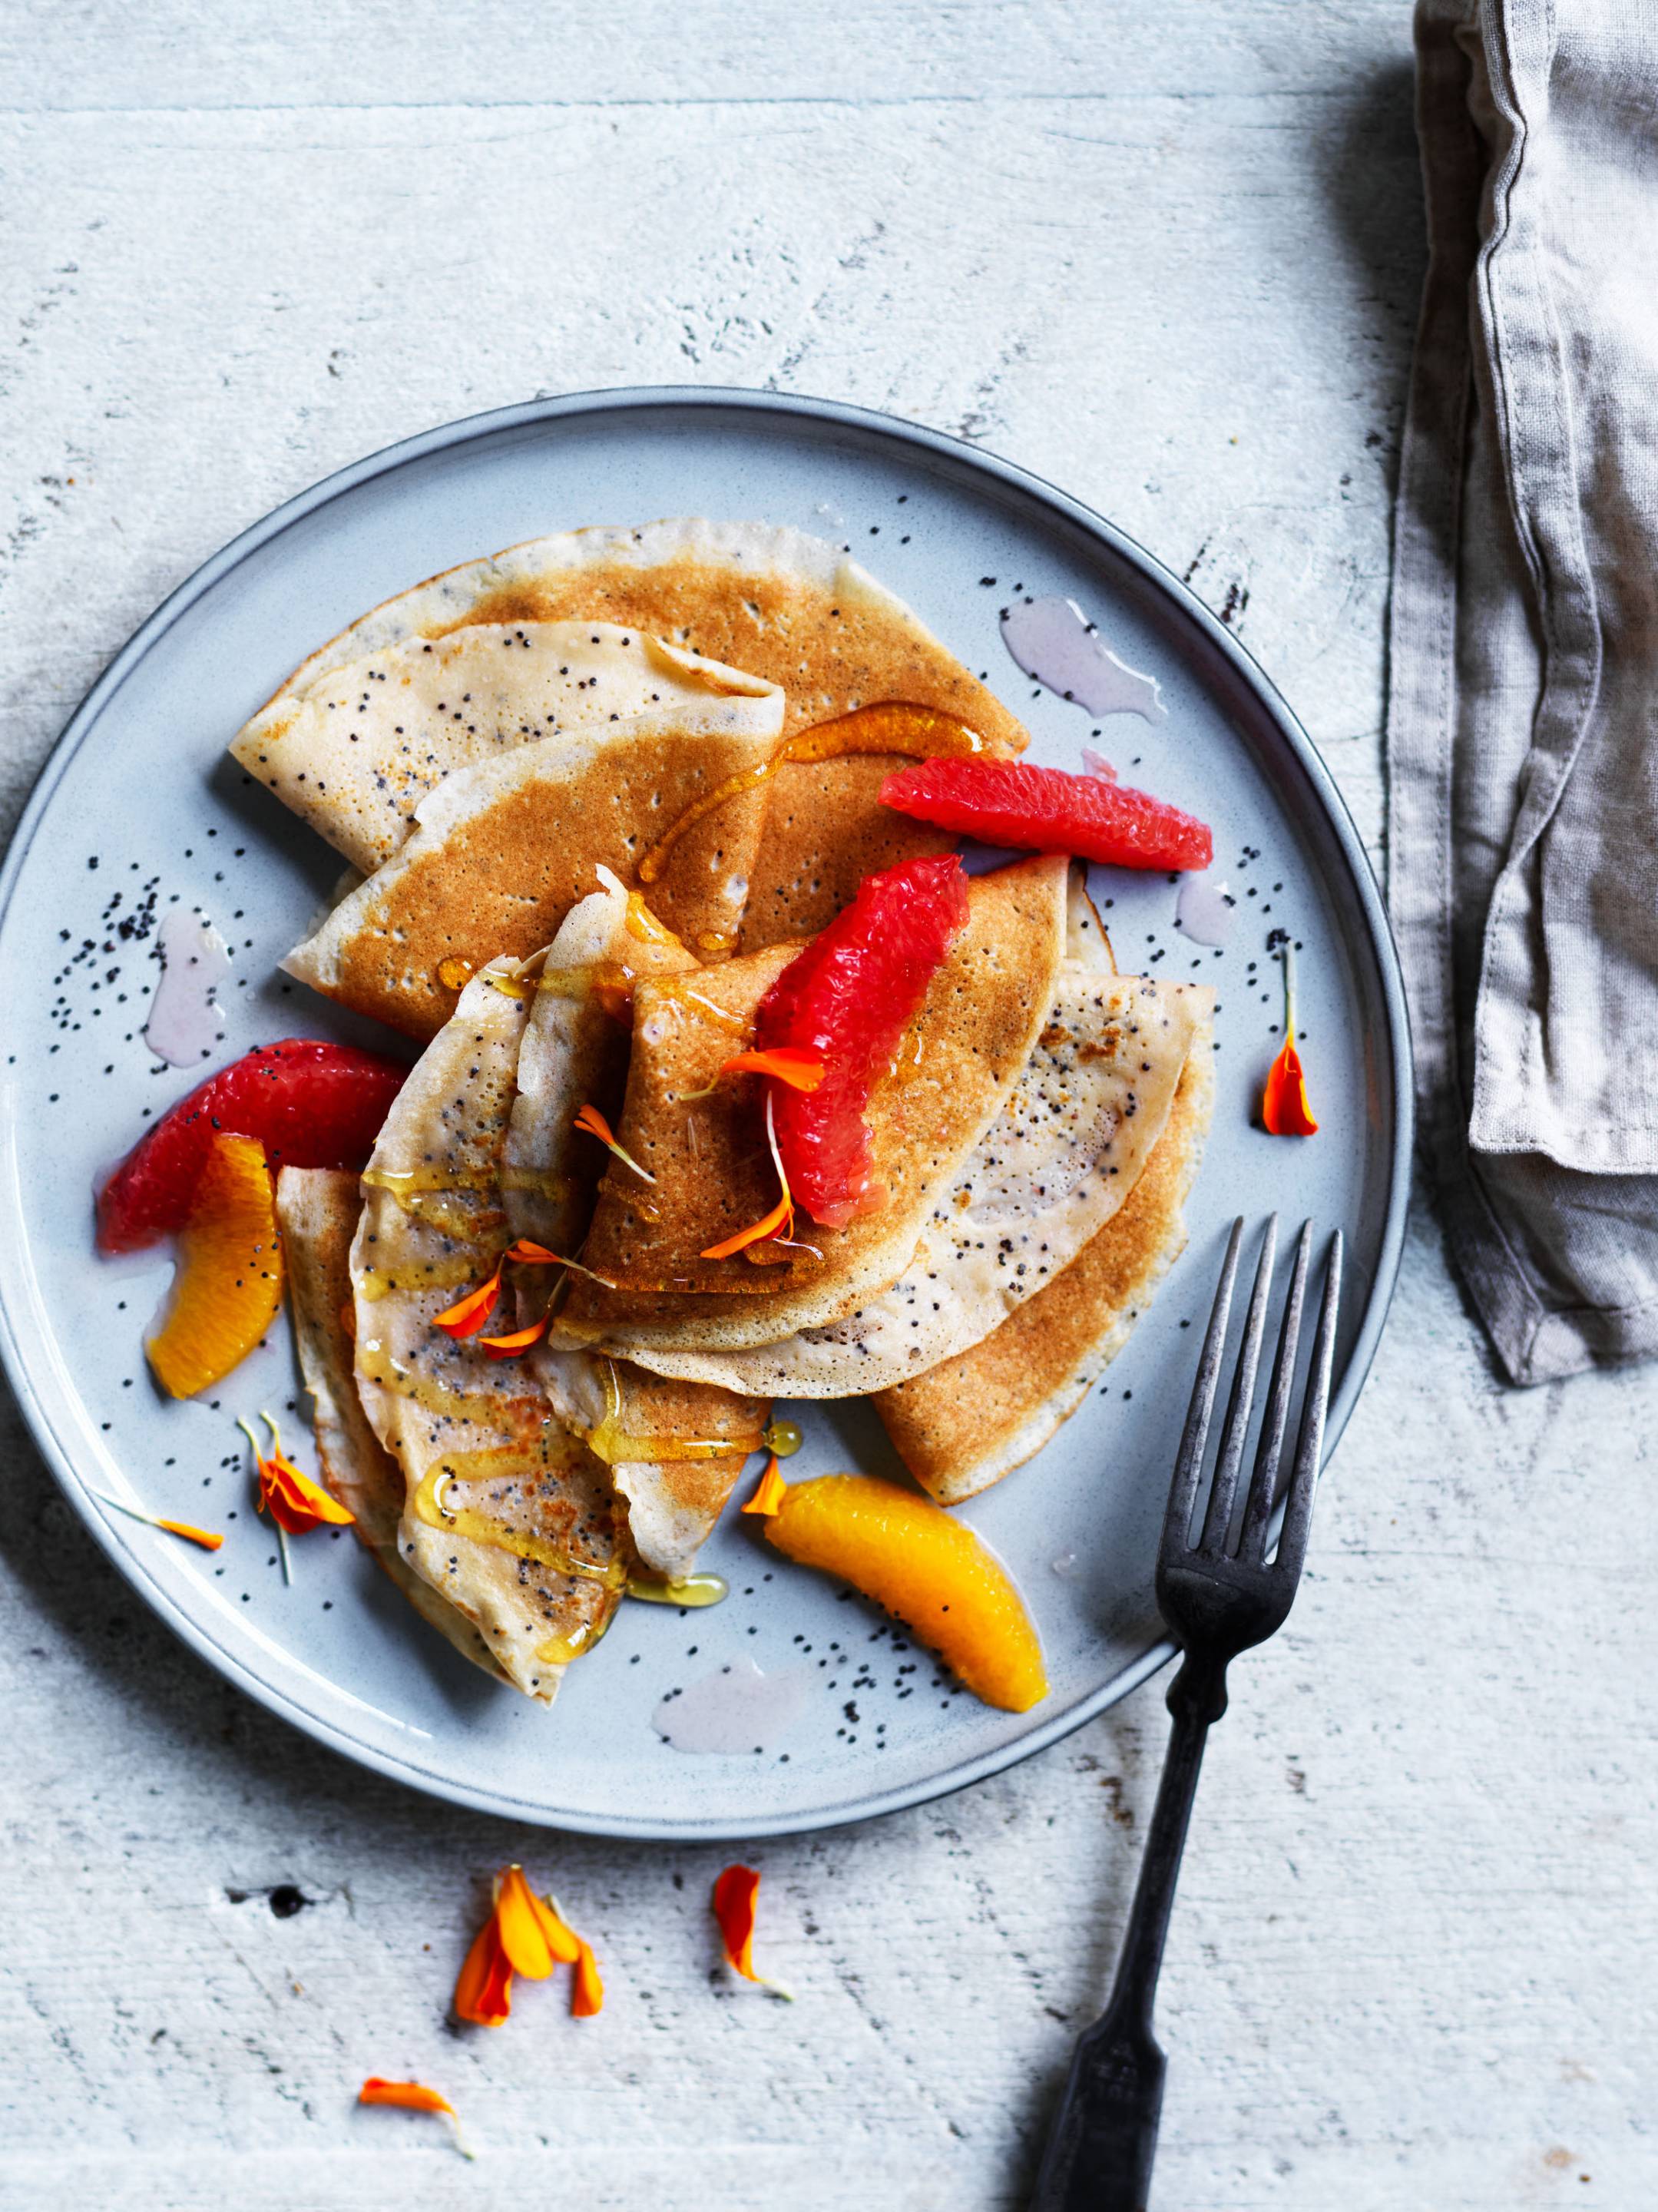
{"x":428,"y":1504}
{"x":892,"y":726}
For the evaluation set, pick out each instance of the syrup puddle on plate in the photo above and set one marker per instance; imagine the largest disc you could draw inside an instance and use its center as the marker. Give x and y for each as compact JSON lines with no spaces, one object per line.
{"x":1057,"y":646}
{"x":740,"y":1709}
{"x":186,"y":1019}
{"x":1204,"y":912}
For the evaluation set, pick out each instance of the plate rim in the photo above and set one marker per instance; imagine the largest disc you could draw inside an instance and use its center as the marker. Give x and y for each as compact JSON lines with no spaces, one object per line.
{"x":959,"y":451}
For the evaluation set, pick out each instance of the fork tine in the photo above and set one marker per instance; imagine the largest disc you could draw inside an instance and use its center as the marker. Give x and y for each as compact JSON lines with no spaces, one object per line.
{"x":1218,"y":1519}
{"x":1303,"y":1479}
{"x":1263,"y":1483}
{"x":1188,"y":1463}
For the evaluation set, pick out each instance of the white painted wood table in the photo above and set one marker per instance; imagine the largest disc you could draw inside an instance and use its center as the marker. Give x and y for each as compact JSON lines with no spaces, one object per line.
{"x":1169,"y":257}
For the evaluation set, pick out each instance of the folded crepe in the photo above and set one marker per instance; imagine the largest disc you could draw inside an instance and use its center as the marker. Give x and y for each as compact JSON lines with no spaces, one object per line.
{"x":789,"y":609}
{"x":354,"y":749}
{"x":506,"y":1515}
{"x":317,"y":1209}
{"x":971,"y":1419}
{"x":1067,"y":1149}
{"x":957,"y":1064}
{"x":675,"y":1450}
{"x":502,"y":850}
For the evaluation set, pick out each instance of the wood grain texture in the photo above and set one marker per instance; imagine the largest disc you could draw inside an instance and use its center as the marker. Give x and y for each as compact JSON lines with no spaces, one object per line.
{"x":1168,"y":257}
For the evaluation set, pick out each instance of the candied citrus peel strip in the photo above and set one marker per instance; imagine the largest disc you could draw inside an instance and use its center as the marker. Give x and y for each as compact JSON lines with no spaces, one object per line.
{"x":228,"y":1288}
{"x":769,"y":1492}
{"x":734,"y":1896}
{"x":525,"y":1934}
{"x":412,"y":2096}
{"x":778,"y":1224}
{"x":925,"y":1567}
{"x":783,"y":1063}
{"x":1283,"y":1105}
{"x":209,"y":1540}
{"x":592,"y":1123}
{"x":470,"y":1314}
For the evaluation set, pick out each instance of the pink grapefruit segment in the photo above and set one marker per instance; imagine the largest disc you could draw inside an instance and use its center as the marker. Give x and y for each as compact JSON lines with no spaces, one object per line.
{"x":1046,"y":809}
{"x":310,"y":1104}
{"x":846,"y":1001}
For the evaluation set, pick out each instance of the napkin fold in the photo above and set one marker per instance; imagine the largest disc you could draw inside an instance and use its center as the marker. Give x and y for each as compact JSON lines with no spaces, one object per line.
{"x":1523,"y":717}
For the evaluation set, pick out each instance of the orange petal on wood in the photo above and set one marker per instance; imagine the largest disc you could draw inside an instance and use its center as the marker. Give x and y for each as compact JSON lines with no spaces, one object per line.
{"x":484,"y":1989}
{"x":587,"y":1993}
{"x":523,"y":1936}
{"x":469,"y":1314}
{"x":511,"y":1347}
{"x":769,"y":1492}
{"x":409,"y":2096}
{"x":785,"y":1063}
{"x":1284,"y":1106}
{"x":561,"y":1939}
{"x":734,"y":1896}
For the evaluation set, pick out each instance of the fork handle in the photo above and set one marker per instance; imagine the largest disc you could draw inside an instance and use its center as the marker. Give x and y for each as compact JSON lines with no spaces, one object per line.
{"x":1099,"y":2155}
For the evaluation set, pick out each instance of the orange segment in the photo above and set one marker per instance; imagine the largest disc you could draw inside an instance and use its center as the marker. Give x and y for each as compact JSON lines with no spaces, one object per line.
{"x":929,"y":1569}
{"x":229,"y":1282}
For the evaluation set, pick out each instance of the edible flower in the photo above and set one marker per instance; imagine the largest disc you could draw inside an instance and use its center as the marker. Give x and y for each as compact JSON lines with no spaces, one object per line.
{"x":205,"y":1537}
{"x":524,"y":1935}
{"x":769,"y":1492}
{"x":778,"y":1223}
{"x":294,"y":1501}
{"x":514,"y":1346}
{"x":783,"y":1063}
{"x":411,"y":2097}
{"x":1284,"y":1106}
{"x":734,"y":1895}
{"x":531,"y":1254}
{"x":469,"y":1314}
{"x":593,"y":1124}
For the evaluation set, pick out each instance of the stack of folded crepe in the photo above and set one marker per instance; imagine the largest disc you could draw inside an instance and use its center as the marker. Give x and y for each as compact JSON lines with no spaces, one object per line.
{"x":496,"y":754}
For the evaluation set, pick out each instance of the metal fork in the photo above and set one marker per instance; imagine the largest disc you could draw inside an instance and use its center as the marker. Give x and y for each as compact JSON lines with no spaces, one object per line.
{"x":1219,"y":1595}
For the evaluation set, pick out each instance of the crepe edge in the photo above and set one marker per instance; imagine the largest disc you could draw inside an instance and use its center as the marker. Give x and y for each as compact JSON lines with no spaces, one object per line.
{"x":317,"y":1209}
{"x":911,"y":1411}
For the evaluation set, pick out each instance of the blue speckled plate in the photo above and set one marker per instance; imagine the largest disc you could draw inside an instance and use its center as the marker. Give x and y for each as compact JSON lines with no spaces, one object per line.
{"x":140,"y":799}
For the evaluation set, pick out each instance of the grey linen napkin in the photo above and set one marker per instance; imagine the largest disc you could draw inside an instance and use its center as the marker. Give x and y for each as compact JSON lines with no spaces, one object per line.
{"x":1523,"y":719}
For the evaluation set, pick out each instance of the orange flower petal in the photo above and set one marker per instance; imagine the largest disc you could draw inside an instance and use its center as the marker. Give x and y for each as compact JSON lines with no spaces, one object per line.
{"x":734,"y":1895}
{"x":413,"y":2097}
{"x":785,"y":1063}
{"x":780,"y":1218}
{"x":205,"y":1537}
{"x":561,"y":1939}
{"x":769,"y":1490}
{"x":469,"y":1314}
{"x":537,"y":1255}
{"x":593,"y":1124}
{"x":409,"y":2096}
{"x":523,"y":1937}
{"x":509,"y":1347}
{"x":587,"y":1993}
{"x":1284,"y":1106}
{"x":484,"y":1989}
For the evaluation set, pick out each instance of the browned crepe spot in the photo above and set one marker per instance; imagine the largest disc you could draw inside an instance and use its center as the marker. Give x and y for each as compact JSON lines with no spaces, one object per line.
{"x":500,"y":882}
{"x":955,"y":1066}
{"x":971,"y":1419}
{"x":831,"y":652}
